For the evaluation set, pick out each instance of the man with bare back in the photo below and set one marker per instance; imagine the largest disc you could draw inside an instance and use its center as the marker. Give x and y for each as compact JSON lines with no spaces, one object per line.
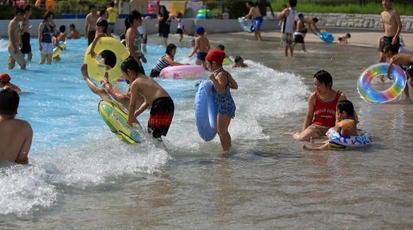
{"x":16,"y":135}
{"x":90,"y":23}
{"x":256,"y":18}
{"x":392,"y":27}
{"x":13,"y":46}
{"x":25,"y":27}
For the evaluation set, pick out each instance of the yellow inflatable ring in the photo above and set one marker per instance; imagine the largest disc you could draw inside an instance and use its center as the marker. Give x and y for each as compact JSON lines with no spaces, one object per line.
{"x":57,"y":50}
{"x":94,"y":68}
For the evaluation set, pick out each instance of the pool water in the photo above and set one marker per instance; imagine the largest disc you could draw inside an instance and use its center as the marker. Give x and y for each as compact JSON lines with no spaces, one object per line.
{"x":73,"y":146}
{"x":81,"y":176}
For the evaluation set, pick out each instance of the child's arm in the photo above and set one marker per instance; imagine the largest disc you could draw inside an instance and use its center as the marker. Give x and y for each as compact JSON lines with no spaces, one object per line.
{"x":389,"y":67}
{"x":284,"y":13}
{"x":208,"y":45}
{"x":218,"y":82}
{"x":249,"y":13}
{"x":95,"y":41}
{"x":232,"y":83}
{"x":195,"y":49}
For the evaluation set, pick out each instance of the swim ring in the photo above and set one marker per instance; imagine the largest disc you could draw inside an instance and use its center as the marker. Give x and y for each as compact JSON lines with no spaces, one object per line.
{"x":326,"y":37}
{"x":206,"y":110}
{"x":363,"y":139}
{"x":182,"y":72}
{"x":106,"y":43}
{"x":245,"y":24}
{"x":226,"y":61}
{"x":116,"y":117}
{"x":57,"y":50}
{"x":371,"y":95}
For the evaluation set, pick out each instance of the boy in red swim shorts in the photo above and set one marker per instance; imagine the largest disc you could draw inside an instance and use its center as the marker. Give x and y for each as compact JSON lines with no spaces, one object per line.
{"x":162,"y":105}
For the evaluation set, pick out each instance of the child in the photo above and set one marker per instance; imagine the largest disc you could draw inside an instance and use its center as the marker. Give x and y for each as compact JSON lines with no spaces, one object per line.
{"x":60,"y":39}
{"x":239,"y":62}
{"x":343,"y":39}
{"x":223,"y":82}
{"x":346,"y":124}
{"x":180,"y":29}
{"x":166,"y":60}
{"x":300,"y":32}
{"x":227,"y":60}
{"x":5,"y":83}
{"x":108,"y":56}
{"x":103,"y":15}
{"x":402,"y":59}
{"x":162,"y":105}
{"x":201,"y":47}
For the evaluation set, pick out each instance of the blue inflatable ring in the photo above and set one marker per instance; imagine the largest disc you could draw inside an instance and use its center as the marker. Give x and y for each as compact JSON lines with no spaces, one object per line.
{"x":206,"y":110}
{"x":326,"y":37}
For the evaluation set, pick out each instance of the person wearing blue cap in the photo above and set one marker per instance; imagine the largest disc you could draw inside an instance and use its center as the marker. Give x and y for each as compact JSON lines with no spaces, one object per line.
{"x":300,"y":32}
{"x":201,"y":46}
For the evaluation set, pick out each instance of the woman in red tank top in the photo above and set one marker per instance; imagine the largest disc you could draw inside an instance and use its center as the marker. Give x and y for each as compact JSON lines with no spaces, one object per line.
{"x":321,"y":112}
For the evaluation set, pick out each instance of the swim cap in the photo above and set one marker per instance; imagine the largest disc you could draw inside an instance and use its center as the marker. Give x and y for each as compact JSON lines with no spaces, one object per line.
{"x":199,"y":30}
{"x":4,"y":77}
{"x":216,"y":56}
{"x":301,"y":15}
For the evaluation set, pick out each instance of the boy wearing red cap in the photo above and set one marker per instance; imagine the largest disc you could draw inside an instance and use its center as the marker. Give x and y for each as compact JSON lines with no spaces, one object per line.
{"x":5,"y":83}
{"x":223,"y":82}
{"x":16,"y":135}
{"x":201,"y":46}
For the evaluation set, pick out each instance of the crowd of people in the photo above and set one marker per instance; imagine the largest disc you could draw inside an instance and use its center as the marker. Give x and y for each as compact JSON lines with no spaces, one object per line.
{"x":327,"y":108}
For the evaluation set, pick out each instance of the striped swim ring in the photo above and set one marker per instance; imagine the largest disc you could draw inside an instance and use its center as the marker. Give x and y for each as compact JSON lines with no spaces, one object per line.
{"x":370,"y":95}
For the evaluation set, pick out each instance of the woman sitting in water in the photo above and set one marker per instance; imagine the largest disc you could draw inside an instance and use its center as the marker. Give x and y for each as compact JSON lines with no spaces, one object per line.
{"x":321,"y":112}
{"x":166,"y":60}
{"x":346,"y":123}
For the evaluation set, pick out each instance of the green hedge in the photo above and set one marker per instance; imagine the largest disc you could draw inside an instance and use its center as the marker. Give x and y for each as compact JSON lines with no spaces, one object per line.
{"x":7,"y":12}
{"x":338,"y":6}
{"x":62,"y":6}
